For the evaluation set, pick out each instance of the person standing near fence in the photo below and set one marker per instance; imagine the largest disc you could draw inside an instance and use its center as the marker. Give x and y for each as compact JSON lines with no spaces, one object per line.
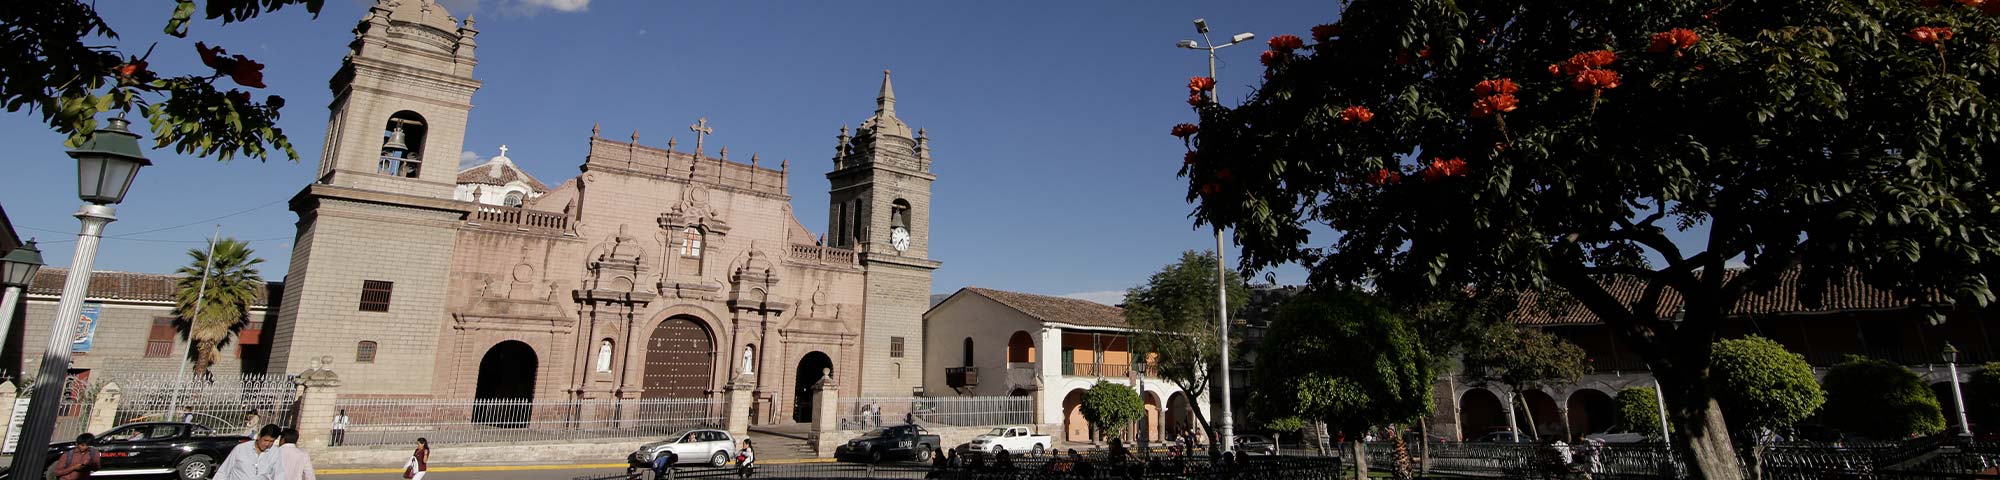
{"x":296,"y":465}
{"x":745,"y":460}
{"x":187,"y":414}
{"x":250,"y":422}
{"x":254,"y":460}
{"x":340,"y":428}
{"x":79,"y":462}
{"x":419,"y":462}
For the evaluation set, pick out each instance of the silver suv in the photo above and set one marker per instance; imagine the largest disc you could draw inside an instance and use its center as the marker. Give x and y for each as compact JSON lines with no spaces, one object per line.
{"x":716,"y":447}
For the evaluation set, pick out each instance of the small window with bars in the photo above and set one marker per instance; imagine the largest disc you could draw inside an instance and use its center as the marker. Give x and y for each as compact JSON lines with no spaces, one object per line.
{"x":160,"y":341}
{"x":375,"y":295}
{"x":895,"y":347}
{"x":364,"y":352}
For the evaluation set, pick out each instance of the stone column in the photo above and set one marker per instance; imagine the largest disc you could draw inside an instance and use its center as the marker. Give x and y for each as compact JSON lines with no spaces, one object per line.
{"x":1035,"y":404}
{"x":825,"y":415}
{"x":736,"y":405}
{"x":316,"y":408}
{"x":8,"y":392}
{"x":103,"y":411}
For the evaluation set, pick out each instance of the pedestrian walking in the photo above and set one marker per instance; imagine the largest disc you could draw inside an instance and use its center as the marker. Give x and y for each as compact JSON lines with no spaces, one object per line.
{"x":340,"y":428}
{"x":294,"y":463}
{"x":419,"y":462}
{"x":79,"y":462}
{"x":187,"y":414}
{"x":251,"y":422}
{"x":745,"y":460}
{"x":254,"y":460}
{"x":663,"y":464}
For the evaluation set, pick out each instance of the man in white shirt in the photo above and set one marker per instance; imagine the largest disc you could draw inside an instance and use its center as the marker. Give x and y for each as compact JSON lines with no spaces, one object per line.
{"x":253,"y":460}
{"x":296,"y":465}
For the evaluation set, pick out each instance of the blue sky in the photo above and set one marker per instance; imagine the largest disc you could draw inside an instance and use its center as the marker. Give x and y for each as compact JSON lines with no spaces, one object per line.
{"x":1048,"y":120}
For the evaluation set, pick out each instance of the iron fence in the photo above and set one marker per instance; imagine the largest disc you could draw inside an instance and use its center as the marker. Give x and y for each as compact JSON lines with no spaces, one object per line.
{"x":402,"y":421}
{"x":234,"y":405}
{"x":864,"y":413}
{"x":1094,"y":466}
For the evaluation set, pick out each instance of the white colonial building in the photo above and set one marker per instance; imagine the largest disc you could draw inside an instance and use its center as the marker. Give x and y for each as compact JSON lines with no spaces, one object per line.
{"x":983,"y":342}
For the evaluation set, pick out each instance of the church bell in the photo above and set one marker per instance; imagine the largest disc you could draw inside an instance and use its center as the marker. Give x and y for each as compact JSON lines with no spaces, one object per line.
{"x":395,"y":145}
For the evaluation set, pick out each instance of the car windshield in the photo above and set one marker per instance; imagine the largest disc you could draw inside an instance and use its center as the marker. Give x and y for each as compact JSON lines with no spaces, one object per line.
{"x":997,"y":432}
{"x":879,"y":432}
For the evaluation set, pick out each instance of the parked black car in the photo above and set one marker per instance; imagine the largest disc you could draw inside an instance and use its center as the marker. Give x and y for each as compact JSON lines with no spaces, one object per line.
{"x":185,"y":450}
{"x":887,"y":443}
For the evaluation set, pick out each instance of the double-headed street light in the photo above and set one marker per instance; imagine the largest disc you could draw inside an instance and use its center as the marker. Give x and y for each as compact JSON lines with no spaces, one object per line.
{"x":1228,"y":439}
{"x":105,"y":167}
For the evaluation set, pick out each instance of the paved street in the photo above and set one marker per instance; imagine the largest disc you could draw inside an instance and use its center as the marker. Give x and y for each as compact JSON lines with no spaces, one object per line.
{"x":493,"y":473}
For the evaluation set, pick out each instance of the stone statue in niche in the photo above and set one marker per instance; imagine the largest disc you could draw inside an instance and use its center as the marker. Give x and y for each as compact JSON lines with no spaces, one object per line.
{"x":749,"y":360}
{"x":604,"y":356}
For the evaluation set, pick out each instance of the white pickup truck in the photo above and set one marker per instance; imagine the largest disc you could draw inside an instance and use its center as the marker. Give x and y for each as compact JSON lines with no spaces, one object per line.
{"x":1016,"y":440}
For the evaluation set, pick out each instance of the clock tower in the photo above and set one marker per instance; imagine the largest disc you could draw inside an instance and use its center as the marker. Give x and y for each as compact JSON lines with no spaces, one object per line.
{"x":880,"y":207}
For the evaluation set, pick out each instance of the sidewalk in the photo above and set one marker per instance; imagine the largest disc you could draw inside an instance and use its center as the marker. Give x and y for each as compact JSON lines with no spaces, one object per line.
{"x":506,"y":466}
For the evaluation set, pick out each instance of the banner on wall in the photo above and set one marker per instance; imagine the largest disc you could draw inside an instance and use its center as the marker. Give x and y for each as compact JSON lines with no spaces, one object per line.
{"x":86,"y":327}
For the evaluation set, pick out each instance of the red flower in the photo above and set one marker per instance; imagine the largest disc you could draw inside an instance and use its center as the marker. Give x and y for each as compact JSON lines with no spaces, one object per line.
{"x":1441,"y":169}
{"x":1324,"y":33}
{"x":1200,"y":84}
{"x":1270,"y":57}
{"x":1991,"y":7}
{"x":1354,"y":114}
{"x":247,"y":72}
{"x":1185,"y":130}
{"x":1194,"y":100}
{"x":1286,"y":43}
{"x":275,"y":101}
{"x":1189,"y":159}
{"x":1384,"y":177}
{"x":1424,"y":52}
{"x":1676,"y":41}
{"x":1500,"y":86}
{"x":1210,"y":189}
{"x":136,"y":69}
{"x":213,"y":57}
{"x":1973,"y":3}
{"x":1403,"y":58}
{"x":239,"y":97}
{"x":1930,"y":35}
{"x":1487,"y":106}
{"x":1598,"y":58}
{"x":1595,"y":80}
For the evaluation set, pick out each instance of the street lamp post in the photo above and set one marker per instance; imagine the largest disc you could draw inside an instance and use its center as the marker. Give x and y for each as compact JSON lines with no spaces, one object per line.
{"x":17,"y":271}
{"x":1228,"y":437}
{"x":1957,"y":396}
{"x":105,"y":167}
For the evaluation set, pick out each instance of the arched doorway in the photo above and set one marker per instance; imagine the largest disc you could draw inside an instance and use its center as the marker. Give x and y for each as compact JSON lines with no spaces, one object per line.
{"x":812,"y":367}
{"x":1180,"y":418}
{"x":1480,"y":412}
{"x":680,"y":360}
{"x":1541,"y":410}
{"x":1152,"y":419}
{"x":1021,"y":348}
{"x":1075,"y":428}
{"x":1591,"y":411}
{"x":506,"y":388}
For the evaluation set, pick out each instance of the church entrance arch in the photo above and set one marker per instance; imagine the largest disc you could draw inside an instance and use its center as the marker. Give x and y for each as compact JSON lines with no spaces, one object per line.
{"x":680,"y":359}
{"x":506,"y":389}
{"x":812,"y":367}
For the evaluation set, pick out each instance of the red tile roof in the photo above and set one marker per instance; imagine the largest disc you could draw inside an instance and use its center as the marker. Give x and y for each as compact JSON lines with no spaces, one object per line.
{"x":1058,"y":309}
{"x":109,"y":285}
{"x":1846,"y":293}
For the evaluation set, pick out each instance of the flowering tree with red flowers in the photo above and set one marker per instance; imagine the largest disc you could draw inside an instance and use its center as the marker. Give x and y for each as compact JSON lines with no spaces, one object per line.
{"x":1550,"y":146}
{"x":50,"y":63}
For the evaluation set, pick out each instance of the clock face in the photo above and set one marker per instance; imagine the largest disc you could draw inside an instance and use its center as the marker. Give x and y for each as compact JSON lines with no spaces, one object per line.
{"x":899,"y":238}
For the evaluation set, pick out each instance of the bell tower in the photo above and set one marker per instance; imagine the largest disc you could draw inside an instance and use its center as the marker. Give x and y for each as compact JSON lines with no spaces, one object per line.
{"x":880,"y":206}
{"x":366,"y":288}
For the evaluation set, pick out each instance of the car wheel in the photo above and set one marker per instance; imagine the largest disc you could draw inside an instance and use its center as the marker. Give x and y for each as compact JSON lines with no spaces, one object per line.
{"x":875,"y":456}
{"x":719,"y":460}
{"x":923,"y":453}
{"x":195,"y":467}
{"x":1037,"y":451}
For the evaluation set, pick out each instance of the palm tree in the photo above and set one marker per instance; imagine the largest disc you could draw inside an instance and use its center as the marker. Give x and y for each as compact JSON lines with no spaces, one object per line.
{"x":233,"y":285}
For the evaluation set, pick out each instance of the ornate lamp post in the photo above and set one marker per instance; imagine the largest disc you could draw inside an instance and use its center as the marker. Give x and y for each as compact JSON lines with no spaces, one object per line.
{"x":1228,"y":434}
{"x":1957,"y":396}
{"x":105,"y":167}
{"x":17,"y":270}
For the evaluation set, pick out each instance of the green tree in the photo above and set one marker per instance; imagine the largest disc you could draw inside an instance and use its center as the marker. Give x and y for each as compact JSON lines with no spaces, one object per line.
{"x":1338,"y":356}
{"x":1522,"y":359}
{"x":1174,"y":313}
{"x":210,"y":312}
{"x":1517,"y":145}
{"x":1109,"y":407}
{"x":56,"y":61}
{"x":1639,"y":411}
{"x":1982,"y":398}
{"x":1762,"y":386}
{"x":1879,"y":399}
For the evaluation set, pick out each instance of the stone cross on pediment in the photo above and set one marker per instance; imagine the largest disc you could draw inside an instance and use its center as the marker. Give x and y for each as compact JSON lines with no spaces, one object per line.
{"x":701,"y":130}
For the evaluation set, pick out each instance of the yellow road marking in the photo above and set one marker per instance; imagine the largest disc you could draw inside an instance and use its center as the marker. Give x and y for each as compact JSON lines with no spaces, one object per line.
{"x":503,"y":468}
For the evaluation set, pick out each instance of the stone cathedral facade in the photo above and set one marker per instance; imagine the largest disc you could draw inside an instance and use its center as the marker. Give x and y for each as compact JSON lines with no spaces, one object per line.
{"x":660,"y":271}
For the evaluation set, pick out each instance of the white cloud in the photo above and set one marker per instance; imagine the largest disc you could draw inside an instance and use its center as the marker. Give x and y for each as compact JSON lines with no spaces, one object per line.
{"x":1107,"y":297}
{"x":531,"y":7}
{"x":468,"y":158}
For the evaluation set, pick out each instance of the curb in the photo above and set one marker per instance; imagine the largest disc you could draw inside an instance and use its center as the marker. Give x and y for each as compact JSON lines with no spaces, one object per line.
{"x":503,"y":468}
